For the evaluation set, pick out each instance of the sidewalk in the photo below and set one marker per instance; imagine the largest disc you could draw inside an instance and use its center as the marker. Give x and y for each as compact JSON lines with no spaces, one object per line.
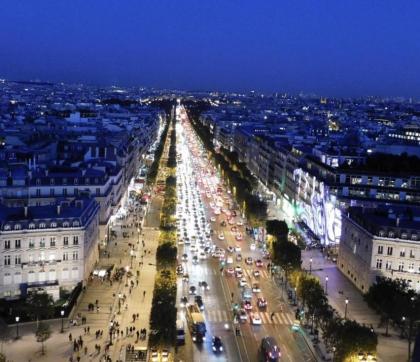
{"x":339,"y":289}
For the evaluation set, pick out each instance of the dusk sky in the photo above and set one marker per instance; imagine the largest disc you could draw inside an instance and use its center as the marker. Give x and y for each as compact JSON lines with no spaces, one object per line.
{"x":333,"y":48}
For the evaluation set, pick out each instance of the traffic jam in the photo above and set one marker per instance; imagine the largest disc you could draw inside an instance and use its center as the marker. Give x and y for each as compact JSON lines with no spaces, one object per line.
{"x":213,"y":237}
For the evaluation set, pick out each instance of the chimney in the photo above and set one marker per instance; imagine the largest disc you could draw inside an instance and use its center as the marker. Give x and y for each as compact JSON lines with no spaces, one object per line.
{"x":58,"y":209}
{"x":25,"y":211}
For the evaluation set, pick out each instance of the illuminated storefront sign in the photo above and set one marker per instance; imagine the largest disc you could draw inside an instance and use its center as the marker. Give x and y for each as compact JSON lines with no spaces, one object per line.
{"x":317,"y":208}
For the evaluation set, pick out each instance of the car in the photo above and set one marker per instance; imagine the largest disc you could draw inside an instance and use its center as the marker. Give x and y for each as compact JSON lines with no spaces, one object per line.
{"x":239,"y":257}
{"x":269,"y":349}
{"x":242,"y":282}
{"x":192,"y":290}
{"x":230,"y":249}
{"x":184,"y":301}
{"x":234,"y":229}
{"x":195,"y":259}
{"x":204,"y":285}
{"x":154,"y":355}
{"x":238,"y":248}
{"x":255,"y":319}
{"x":252,"y":247}
{"x":240,"y":223}
{"x":261,"y":302}
{"x":238,"y":268}
{"x":231,"y":222}
{"x":248,"y":260}
{"x":229,"y":260}
{"x":259,"y":263}
{"x":185,"y":277}
{"x":238,"y":237}
{"x":179,"y":270}
{"x":202,"y":255}
{"x":184,"y":257}
{"x":256,"y":288}
{"x":164,"y":355}
{"x":230,"y":271}
{"x":243,"y":316}
{"x":213,"y":219}
{"x":221,"y":236}
{"x":199,"y":301}
{"x":247,"y":305}
{"x":216,"y":344}
{"x":256,"y":273}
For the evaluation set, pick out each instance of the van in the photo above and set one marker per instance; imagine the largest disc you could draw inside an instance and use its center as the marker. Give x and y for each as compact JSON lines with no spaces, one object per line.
{"x":269,"y":349}
{"x":180,"y":332}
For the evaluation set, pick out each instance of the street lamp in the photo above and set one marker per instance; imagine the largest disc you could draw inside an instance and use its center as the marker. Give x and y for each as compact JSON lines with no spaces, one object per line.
{"x":62,"y":321}
{"x":345,"y":310}
{"x":310,"y":266}
{"x":119,"y":302}
{"x":132,"y":257}
{"x":138,"y":235}
{"x":326,"y":285}
{"x":111,"y":330}
{"x":295,"y":295}
{"x":17,"y":326}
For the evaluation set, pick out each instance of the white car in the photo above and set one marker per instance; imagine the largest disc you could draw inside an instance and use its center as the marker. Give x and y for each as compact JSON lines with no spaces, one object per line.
{"x":221,"y":236}
{"x":212,"y":219}
{"x":238,"y":248}
{"x":252,"y":247}
{"x":238,"y":268}
{"x":240,"y":223}
{"x":255,"y":319}
{"x":256,"y":288}
{"x":242,"y":282}
{"x":229,"y":260}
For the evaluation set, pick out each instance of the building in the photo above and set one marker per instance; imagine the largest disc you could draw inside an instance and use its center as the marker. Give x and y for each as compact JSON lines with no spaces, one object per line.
{"x":383,"y":241}
{"x":49,"y":247}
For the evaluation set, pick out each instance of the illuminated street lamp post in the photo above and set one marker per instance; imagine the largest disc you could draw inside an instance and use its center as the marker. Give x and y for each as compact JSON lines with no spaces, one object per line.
{"x":17,"y":326}
{"x":345,"y":310}
{"x":132,"y":257}
{"x":310,"y":266}
{"x":62,"y":321}
{"x":326,"y":285}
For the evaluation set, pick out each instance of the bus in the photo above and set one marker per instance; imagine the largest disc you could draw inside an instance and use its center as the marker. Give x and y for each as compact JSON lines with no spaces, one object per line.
{"x":196,"y":323}
{"x":180,"y":332}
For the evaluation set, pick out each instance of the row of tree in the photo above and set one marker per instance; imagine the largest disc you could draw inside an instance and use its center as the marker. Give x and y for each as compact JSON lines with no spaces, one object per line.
{"x":153,"y":170}
{"x":163,"y":311}
{"x":346,"y":337}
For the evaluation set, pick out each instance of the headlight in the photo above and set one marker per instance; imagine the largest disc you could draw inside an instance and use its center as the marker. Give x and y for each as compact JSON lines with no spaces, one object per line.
{"x":214,"y":348}
{"x":194,"y":339}
{"x":221,"y":348}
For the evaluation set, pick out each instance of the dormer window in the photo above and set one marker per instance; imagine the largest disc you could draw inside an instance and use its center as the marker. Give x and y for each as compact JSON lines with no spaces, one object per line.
{"x":76,"y":180}
{"x":76,"y":223}
{"x":87,"y":180}
{"x":64,"y":181}
{"x":413,"y":236}
{"x":381,"y":233}
{"x":17,"y":227}
{"x":53,"y":225}
{"x":65,"y":224}
{"x":391,"y":234}
{"x":31,"y":225}
{"x":6,"y":227}
{"x":52,"y":181}
{"x":38,"y":181}
{"x":42,"y":225}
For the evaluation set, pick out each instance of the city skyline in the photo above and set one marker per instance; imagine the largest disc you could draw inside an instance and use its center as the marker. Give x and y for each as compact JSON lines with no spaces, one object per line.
{"x":334,"y":50}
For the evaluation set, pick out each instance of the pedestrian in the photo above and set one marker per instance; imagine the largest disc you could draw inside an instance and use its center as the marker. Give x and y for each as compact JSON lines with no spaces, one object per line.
{"x":272,"y":316}
{"x":86,"y":350}
{"x":144,"y":293}
{"x":70,"y":337}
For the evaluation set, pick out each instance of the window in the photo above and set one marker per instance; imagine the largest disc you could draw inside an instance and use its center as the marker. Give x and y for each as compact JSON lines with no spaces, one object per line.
{"x":76,"y":191}
{"x":52,"y":192}
{"x":7,"y":244}
{"x":31,"y":225}
{"x":411,"y":267}
{"x":75,"y":255}
{"x":378,"y":263}
{"x":389,"y":250}
{"x":65,"y":240}
{"x":42,"y":243}
{"x":388,"y":265}
{"x":65,"y":256}
{"x":52,"y":241}
{"x":17,"y":227}
{"x":98,"y":191}
{"x":64,"y":181}
{"x":17,"y":244}
{"x":38,"y":192}
{"x":31,"y":243}
{"x":52,"y":181}
{"x":76,"y":223}
{"x":76,"y":181}
{"x":412,"y":254}
{"x":402,"y":253}
{"x":380,"y":249}
{"x":53,"y":225}
{"x":17,"y":259}
{"x":401,"y":266}
{"x":64,"y":191}
{"x":7,"y":260}
{"x":7,"y":227}
{"x":75,"y":240}
{"x":65,"y":224}
{"x":42,"y":225}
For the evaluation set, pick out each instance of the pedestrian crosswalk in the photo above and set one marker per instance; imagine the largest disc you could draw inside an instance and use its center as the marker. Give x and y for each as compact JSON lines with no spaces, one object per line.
{"x":248,"y":273}
{"x":266,"y":317}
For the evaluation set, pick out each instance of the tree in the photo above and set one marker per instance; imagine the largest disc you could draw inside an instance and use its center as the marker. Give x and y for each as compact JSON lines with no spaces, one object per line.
{"x":166,"y":253}
{"x":2,"y":357}
{"x":42,"y":333}
{"x":277,"y":228}
{"x":39,"y":306}
{"x":385,"y":296}
{"x":286,"y":254}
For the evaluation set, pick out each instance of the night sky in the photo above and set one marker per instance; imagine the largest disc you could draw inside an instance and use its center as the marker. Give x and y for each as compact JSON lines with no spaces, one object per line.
{"x":333,"y":48}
